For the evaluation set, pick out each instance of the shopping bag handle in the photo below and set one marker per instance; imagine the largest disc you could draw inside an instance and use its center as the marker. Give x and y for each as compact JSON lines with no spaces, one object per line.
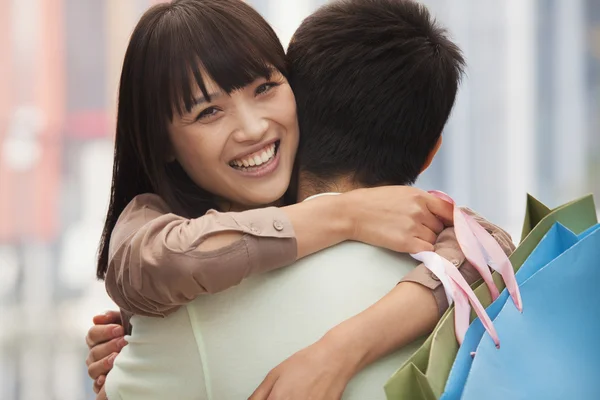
{"x":481,"y":250}
{"x":457,"y":289}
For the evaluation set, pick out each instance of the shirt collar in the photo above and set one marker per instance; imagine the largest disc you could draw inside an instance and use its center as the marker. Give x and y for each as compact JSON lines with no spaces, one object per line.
{"x":314,"y":196}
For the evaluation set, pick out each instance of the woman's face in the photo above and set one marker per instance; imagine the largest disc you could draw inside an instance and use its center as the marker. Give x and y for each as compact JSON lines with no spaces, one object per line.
{"x":240,"y":147}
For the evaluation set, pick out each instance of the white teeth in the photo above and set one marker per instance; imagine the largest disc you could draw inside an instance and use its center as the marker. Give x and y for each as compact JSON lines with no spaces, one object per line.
{"x":257,"y":159}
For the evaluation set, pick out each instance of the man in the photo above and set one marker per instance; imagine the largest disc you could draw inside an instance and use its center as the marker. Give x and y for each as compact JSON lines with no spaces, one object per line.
{"x":375,"y":82}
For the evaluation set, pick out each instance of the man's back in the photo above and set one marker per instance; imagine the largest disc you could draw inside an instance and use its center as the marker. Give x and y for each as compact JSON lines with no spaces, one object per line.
{"x":220,"y":347}
{"x":247,"y":330}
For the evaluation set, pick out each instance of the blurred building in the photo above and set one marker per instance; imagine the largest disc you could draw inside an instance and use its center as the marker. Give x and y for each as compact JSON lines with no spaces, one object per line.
{"x":525,"y":121}
{"x":525,"y":112}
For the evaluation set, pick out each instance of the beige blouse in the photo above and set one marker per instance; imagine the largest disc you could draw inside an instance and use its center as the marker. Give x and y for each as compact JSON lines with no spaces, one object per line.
{"x":155,"y":264}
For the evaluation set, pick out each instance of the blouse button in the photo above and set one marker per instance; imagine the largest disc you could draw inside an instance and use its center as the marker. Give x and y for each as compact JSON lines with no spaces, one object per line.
{"x":278,"y":225}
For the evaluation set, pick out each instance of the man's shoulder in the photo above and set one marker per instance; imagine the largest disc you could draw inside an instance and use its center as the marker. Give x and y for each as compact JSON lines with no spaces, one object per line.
{"x":357,"y":252}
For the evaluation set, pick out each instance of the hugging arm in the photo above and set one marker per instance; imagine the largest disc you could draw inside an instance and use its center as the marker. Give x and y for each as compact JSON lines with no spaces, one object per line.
{"x":159,"y":261}
{"x":409,"y":311}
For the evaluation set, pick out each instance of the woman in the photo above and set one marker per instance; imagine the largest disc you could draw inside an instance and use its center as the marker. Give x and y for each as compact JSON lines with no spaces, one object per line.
{"x":207,"y":120}
{"x":225,"y":140}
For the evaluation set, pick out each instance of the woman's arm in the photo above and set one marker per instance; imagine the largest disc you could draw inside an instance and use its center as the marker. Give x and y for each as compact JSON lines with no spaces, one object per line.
{"x":447,"y":246}
{"x":409,"y":311}
{"x":159,"y":261}
{"x":322,"y":370}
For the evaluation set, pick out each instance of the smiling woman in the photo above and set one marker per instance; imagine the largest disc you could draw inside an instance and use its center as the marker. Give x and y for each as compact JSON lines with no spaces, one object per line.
{"x":179,"y":54}
{"x":207,"y":121}
{"x":239,"y":146}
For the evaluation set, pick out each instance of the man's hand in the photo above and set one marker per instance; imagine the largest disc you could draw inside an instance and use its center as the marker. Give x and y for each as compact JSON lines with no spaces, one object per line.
{"x":318,"y":372}
{"x":105,"y":340}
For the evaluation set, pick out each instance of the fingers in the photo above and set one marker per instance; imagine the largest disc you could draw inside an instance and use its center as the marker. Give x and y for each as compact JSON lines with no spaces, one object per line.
{"x":102,"y":395}
{"x":109,"y":317}
{"x":103,"y":333}
{"x":417,"y":245}
{"x":426,"y":234}
{"x":102,"y":367}
{"x":103,"y":350}
{"x":432,"y":222}
{"x":99,"y":383}
{"x":441,"y":208}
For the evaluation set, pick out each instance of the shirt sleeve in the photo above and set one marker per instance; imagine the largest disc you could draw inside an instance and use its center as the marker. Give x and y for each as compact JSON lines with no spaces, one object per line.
{"x":155,"y":264}
{"x":447,"y":246}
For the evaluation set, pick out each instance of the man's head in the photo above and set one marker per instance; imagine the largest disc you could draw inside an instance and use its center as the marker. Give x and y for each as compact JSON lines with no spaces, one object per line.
{"x":375,"y":81}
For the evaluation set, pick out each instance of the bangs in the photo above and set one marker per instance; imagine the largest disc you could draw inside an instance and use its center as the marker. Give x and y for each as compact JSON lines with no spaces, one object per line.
{"x":225,"y":40}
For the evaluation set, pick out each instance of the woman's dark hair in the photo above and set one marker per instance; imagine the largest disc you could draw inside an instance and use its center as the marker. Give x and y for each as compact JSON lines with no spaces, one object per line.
{"x":171,"y":46}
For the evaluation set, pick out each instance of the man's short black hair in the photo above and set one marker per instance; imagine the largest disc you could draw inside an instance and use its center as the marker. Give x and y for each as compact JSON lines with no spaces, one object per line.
{"x":375,"y":81}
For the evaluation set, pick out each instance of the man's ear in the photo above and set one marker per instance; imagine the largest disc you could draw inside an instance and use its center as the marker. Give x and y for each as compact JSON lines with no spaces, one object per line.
{"x":432,"y":154}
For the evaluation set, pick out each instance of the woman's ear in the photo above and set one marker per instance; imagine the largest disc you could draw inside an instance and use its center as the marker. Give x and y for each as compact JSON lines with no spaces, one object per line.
{"x":432,"y":154}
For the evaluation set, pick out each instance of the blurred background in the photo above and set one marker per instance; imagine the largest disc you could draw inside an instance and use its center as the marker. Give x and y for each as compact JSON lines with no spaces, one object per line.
{"x":526,"y":120}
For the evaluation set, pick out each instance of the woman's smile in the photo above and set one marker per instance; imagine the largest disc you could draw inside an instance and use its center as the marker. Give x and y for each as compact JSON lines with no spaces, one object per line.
{"x":259,"y":163}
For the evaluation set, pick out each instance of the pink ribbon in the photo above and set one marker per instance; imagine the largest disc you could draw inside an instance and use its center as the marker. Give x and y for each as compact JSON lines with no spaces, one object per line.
{"x":481,"y":250}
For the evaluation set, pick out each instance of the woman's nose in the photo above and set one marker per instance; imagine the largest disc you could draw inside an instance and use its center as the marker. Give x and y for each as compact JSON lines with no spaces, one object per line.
{"x":252,"y":127}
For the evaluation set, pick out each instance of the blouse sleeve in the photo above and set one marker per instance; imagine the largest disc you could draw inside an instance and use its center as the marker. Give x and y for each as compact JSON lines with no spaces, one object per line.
{"x":447,"y":246}
{"x":155,"y":264}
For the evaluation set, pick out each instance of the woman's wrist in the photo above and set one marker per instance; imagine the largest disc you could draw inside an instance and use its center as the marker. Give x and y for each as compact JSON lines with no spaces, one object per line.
{"x":320,"y":223}
{"x":344,"y":216}
{"x":350,"y":205}
{"x":344,"y":345}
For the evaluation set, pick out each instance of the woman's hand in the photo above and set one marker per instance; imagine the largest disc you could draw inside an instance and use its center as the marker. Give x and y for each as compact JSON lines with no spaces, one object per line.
{"x":105,"y":340}
{"x":399,"y":218}
{"x":318,"y":372}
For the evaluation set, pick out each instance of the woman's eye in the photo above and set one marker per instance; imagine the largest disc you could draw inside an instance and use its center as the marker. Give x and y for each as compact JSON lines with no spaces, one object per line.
{"x":207,"y":113}
{"x":265,"y":87}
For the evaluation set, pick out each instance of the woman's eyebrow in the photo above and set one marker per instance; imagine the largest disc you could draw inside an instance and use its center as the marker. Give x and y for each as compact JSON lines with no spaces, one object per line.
{"x":201,"y":100}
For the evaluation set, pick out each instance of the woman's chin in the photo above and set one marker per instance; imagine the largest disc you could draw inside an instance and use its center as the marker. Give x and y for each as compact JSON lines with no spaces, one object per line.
{"x":265,"y":197}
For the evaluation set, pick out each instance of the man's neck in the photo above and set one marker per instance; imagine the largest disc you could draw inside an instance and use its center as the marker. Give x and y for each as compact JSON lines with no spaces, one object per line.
{"x":309,"y":185}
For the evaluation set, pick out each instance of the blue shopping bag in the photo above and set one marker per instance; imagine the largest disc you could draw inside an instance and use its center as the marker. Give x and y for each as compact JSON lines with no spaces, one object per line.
{"x":555,"y":242}
{"x":551,"y":350}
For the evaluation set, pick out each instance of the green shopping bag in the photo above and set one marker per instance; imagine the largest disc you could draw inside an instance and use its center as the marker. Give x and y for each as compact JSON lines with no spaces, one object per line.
{"x":535,"y":211}
{"x":424,"y":375}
